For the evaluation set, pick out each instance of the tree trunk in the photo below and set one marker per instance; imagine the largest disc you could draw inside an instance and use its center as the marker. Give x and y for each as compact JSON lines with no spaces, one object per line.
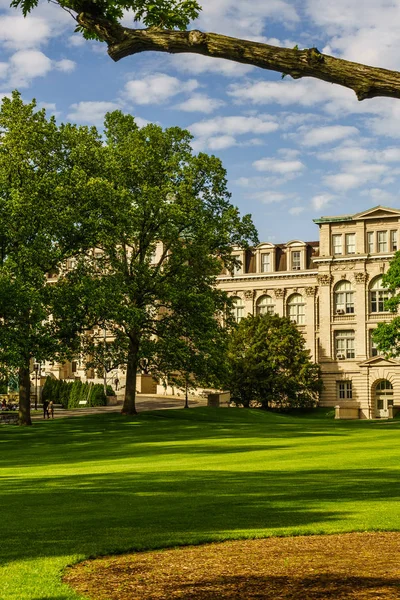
{"x":129,"y":407}
{"x":366,"y":81}
{"x":186,"y":396}
{"x":24,"y":414}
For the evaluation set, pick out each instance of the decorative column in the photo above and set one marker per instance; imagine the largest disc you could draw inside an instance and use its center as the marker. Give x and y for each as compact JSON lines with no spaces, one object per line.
{"x":360,"y":314}
{"x":325,"y":341}
{"x":248,"y":302}
{"x":280,"y":301}
{"x":310,"y":321}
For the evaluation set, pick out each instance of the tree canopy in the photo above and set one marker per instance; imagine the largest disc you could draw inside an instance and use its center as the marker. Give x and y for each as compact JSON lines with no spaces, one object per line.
{"x":47,"y":187}
{"x":150,"y":280}
{"x":166,"y":31}
{"x":269,"y":364}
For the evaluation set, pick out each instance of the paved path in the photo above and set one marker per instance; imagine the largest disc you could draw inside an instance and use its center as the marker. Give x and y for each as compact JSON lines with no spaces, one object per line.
{"x":143,"y":403}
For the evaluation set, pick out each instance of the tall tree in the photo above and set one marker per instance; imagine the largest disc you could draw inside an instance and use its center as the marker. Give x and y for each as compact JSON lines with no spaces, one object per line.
{"x":150,"y":280}
{"x":166,"y":24}
{"x":268,"y":363}
{"x":46,"y":215}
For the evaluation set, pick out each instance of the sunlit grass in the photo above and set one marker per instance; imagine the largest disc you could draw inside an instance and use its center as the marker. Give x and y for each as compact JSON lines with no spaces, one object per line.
{"x":98,"y":484}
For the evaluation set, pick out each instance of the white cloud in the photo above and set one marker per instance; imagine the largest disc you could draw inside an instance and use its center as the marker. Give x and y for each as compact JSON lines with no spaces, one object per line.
{"x":296,"y":210}
{"x":17,"y":32}
{"x":238,"y":125}
{"x":91,"y":112}
{"x":282,"y":167}
{"x":321,"y":200}
{"x":157,"y":88}
{"x":77,"y":40}
{"x":221,"y":142}
{"x":200,"y":103}
{"x":325,"y":135}
{"x":196,"y":64}
{"x":25,"y":65}
{"x":355,"y":176}
{"x":65,"y":65}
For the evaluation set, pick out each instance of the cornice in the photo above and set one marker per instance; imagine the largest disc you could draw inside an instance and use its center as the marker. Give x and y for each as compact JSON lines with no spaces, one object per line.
{"x":263,"y":277}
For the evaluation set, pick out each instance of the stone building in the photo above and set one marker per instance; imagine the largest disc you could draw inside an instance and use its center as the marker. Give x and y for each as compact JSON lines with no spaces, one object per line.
{"x":332,"y":289}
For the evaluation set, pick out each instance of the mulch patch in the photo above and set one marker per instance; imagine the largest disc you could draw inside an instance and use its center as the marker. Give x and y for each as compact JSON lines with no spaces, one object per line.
{"x":362,"y":566}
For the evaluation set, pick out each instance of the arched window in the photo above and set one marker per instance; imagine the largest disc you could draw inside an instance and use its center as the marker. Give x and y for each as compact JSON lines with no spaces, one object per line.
{"x":378,"y":296}
{"x":265,"y":305}
{"x":296,"y":309}
{"x":343,"y":297}
{"x":237,"y":309}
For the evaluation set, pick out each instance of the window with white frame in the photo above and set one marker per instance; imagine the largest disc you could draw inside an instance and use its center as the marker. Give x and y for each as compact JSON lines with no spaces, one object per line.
{"x":378,"y":296}
{"x":265,"y":305}
{"x":382,"y":241}
{"x":393,"y":240}
{"x":343,"y":298}
{"x":344,"y":390}
{"x":350,"y":240}
{"x":238,"y":268}
{"x":345,"y":344}
{"x":373,"y":348}
{"x":265,"y":262}
{"x":337,"y":245}
{"x":296,"y":309}
{"x":370,"y":242}
{"x":237,"y":309}
{"x":296,"y":260}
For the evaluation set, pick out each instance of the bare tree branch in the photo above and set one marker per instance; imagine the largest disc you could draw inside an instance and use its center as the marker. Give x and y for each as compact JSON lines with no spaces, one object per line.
{"x":367,"y":82}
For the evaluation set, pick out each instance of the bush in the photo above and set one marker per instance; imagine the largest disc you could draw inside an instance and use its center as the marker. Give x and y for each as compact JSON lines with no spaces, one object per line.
{"x":110,"y":391}
{"x":70,"y":394}
{"x":97,"y":396}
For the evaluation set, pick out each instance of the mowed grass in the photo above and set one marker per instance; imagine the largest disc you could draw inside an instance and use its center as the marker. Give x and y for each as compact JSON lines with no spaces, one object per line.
{"x":85,"y":486}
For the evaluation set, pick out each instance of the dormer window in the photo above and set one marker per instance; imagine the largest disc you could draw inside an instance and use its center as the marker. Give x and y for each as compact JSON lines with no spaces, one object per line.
{"x":265,"y":262}
{"x":296,"y":260}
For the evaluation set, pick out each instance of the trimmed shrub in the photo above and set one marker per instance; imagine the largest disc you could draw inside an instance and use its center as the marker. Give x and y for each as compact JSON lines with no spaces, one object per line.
{"x":110,"y":391}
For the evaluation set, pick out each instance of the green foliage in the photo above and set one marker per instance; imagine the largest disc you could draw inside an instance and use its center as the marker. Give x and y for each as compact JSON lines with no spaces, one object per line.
{"x":387,"y":335}
{"x":268,"y":364}
{"x":158,"y":197}
{"x":69,"y":394}
{"x":110,"y":391}
{"x":163,"y":14}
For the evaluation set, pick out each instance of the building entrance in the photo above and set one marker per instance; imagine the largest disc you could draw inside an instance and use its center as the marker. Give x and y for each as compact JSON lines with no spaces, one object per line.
{"x":383,"y":398}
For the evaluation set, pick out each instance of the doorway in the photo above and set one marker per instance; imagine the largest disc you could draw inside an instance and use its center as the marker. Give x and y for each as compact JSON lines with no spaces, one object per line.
{"x":383,"y":398}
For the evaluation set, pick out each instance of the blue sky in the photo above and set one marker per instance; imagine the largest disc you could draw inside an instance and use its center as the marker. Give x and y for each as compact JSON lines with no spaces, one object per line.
{"x":293,"y":150}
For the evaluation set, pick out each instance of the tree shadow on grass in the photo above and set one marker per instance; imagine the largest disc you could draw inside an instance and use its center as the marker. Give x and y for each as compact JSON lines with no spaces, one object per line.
{"x":92,"y":514}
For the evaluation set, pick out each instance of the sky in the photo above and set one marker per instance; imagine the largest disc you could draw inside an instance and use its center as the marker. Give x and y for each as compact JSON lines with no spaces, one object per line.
{"x":293,"y":150}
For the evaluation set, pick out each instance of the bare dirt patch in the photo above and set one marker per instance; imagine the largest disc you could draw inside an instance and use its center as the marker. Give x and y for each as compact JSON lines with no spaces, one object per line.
{"x":362,"y":566}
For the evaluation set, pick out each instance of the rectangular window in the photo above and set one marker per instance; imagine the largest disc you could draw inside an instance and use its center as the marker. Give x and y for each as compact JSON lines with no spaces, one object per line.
{"x":265,"y":263}
{"x":370,"y":242}
{"x":382,"y":241}
{"x":345,"y":344}
{"x":296,"y":266}
{"x":393,"y":241}
{"x":238,"y":268}
{"x":344,"y":390}
{"x":337,"y":244}
{"x":350,"y":243}
{"x":373,"y":350}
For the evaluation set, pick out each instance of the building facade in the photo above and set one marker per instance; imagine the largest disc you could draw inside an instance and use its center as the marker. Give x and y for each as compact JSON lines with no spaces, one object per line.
{"x":332,"y":289}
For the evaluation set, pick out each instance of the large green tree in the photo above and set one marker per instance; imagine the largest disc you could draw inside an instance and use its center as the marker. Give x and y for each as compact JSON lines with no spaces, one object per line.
{"x":166,"y":24}
{"x":387,"y":335}
{"x":269,"y":364}
{"x":150,"y":281}
{"x":47,"y":192}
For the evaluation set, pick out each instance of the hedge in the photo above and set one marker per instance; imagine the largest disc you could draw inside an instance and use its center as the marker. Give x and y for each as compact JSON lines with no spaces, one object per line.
{"x":70,"y":394}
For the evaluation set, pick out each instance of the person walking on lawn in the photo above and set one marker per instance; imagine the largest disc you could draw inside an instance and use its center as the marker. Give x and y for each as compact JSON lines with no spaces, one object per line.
{"x":46,"y":409}
{"x":51,"y":409}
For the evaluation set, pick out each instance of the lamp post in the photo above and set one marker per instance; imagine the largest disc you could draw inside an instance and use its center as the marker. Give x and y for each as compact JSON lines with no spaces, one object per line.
{"x":36,"y":368}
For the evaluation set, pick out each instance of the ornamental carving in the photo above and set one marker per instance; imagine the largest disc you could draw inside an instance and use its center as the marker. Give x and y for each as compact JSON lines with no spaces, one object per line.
{"x":249,"y":294}
{"x":324,"y":279}
{"x":361,"y":277}
{"x":310,"y":291}
{"x":279,"y":293}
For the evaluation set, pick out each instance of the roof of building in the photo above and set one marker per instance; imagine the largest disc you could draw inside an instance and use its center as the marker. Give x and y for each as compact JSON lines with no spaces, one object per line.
{"x":354,"y":217}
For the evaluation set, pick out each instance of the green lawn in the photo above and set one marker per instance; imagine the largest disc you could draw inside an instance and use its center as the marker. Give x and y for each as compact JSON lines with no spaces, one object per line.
{"x":79,"y":487}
